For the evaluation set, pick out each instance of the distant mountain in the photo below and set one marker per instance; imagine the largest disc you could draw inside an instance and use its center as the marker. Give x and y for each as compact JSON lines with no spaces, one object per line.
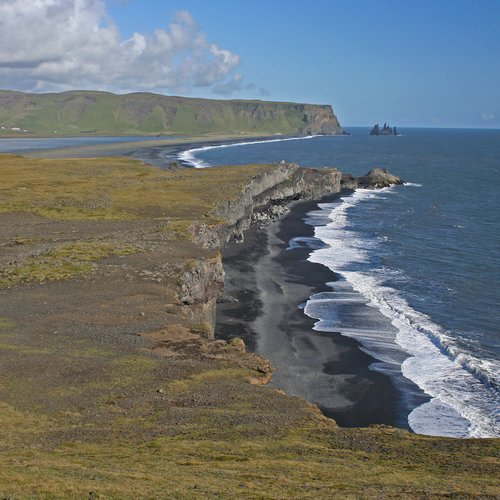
{"x":101,"y":113}
{"x":385,"y":130}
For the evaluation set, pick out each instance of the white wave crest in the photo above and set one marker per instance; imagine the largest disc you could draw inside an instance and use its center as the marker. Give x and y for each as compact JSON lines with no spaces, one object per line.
{"x":463,"y":385}
{"x":189,"y":156}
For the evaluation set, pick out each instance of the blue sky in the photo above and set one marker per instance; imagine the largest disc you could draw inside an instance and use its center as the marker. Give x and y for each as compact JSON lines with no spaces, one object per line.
{"x":409,"y":63}
{"x":425,"y":62}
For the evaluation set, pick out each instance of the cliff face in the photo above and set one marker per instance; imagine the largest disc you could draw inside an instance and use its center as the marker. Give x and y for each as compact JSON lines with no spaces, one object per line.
{"x":265,"y":197}
{"x":88,"y":112}
{"x":320,"y":120}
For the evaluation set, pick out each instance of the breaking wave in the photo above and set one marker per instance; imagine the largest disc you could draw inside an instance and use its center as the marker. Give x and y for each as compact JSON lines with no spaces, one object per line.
{"x":464,"y":388}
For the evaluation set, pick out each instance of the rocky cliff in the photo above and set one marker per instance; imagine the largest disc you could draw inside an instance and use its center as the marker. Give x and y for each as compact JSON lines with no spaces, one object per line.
{"x":268,"y":193}
{"x":320,"y":120}
{"x":264,"y":197}
{"x":100,"y":113}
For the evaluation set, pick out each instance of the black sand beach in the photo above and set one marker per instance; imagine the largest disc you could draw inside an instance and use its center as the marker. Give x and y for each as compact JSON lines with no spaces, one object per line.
{"x":163,"y":154}
{"x":325,"y":368}
{"x":159,"y":152}
{"x":270,"y":284}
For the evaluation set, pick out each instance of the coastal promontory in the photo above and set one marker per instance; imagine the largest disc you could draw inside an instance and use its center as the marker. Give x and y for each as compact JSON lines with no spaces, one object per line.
{"x":83,"y":113}
{"x":111,"y":382}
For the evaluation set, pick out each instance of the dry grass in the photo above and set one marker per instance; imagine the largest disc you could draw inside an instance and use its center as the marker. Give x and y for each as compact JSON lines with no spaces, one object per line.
{"x":116,"y":189}
{"x":306,"y":459}
{"x":62,"y":262}
{"x":92,"y":416}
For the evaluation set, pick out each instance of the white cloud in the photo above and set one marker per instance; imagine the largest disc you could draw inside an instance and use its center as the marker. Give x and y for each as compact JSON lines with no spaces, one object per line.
{"x":487,"y":116}
{"x":53,"y":45}
{"x":237,"y":84}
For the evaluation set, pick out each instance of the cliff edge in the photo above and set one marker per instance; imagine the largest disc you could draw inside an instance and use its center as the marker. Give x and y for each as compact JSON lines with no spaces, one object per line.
{"x":111,"y":384}
{"x":84,"y":113}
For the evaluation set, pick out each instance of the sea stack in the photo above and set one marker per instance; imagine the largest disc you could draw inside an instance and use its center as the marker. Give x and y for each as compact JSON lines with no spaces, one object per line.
{"x":385,"y":130}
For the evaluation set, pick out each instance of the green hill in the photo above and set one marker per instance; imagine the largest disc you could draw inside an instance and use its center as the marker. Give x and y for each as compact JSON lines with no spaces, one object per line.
{"x":101,"y":113}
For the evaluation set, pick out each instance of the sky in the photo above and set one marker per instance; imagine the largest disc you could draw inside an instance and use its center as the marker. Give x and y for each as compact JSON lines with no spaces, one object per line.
{"x":404,"y":62}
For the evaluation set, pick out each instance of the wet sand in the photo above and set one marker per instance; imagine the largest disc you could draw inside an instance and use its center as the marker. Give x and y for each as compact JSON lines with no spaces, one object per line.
{"x":270,"y":283}
{"x":159,"y":152}
{"x":328,"y":369}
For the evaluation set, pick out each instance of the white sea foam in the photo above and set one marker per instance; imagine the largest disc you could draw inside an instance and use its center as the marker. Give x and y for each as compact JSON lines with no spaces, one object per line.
{"x":412,"y":184}
{"x":465,"y":389}
{"x":189,"y":156}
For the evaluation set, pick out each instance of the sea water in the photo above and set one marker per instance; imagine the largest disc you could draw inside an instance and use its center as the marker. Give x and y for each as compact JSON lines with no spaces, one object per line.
{"x":418,"y":264}
{"x":26,"y":144}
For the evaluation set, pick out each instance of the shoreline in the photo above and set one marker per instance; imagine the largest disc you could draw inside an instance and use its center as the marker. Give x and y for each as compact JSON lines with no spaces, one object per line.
{"x":327,"y":369}
{"x":116,"y":370}
{"x":147,"y":149}
{"x":331,"y":374}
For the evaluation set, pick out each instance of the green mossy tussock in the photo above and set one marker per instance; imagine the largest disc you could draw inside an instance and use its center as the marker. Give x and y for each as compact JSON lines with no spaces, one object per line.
{"x":6,"y":324}
{"x":62,"y":262}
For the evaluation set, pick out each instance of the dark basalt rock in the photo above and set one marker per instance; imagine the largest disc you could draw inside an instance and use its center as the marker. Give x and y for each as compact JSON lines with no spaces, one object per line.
{"x":378,"y":178}
{"x":385,"y":130}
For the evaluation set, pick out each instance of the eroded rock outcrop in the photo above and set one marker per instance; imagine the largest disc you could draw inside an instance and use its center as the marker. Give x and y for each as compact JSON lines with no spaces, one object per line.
{"x":265,"y":197}
{"x":385,"y":130}
{"x":378,"y":178}
{"x":201,"y":282}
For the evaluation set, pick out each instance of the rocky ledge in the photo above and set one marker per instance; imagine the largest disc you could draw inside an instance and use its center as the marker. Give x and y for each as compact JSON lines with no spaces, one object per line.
{"x":109,"y":375}
{"x":269,"y":193}
{"x":267,"y":196}
{"x":378,"y":178}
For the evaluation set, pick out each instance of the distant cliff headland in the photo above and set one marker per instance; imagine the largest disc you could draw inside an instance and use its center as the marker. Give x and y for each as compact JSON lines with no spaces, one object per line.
{"x":385,"y":130}
{"x":102,"y":113}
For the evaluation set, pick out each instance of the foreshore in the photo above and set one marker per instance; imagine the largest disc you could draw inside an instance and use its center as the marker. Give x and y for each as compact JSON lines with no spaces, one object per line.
{"x":328,"y":370}
{"x":270,"y":282}
{"x":111,"y":383}
{"x":158,"y":152}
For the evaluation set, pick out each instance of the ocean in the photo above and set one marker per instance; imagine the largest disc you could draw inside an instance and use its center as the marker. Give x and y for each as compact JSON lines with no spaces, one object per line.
{"x":418,"y":265}
{"x":25,"y":144}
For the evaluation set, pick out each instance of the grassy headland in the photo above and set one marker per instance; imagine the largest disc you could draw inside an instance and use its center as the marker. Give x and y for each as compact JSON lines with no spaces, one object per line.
{"x":109,"y":386}
{"x":83,"y":113}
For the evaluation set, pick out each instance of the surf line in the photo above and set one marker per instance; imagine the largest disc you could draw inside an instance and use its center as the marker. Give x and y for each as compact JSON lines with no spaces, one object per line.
{"x":189,"y":156}
{"x":465,"y":399}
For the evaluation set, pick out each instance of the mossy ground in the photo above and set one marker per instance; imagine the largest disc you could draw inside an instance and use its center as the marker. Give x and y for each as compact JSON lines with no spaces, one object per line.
{"x":62,"y":262}
{"x":109,"y":387}
{"x":116,"y":189}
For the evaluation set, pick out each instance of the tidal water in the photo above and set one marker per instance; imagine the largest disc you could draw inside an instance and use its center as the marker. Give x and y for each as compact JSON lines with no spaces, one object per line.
{"x":25,"y":144}
{"x":418,"y":265}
